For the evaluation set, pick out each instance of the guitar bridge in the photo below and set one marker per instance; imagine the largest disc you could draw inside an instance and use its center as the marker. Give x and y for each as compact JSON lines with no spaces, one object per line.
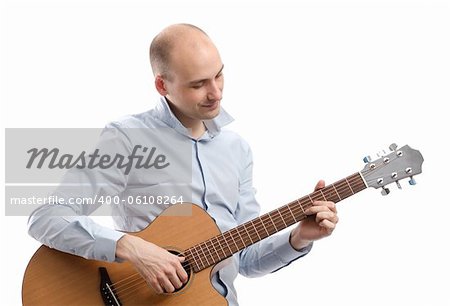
{"x":107,"y":291}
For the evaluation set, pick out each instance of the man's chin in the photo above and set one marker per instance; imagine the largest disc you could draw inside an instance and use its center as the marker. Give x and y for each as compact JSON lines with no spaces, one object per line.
{"x":210,"y":116}
{"x":210,"y":112}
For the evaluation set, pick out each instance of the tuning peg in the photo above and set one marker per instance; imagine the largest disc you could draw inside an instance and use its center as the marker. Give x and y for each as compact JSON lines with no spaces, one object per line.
{"x":367,"y":159}
{"x":381,"y":153}
{"x":385,"y":191}
{"x":412,"y":181}
{"x":393,"y":147}
{"x":398,"y":185}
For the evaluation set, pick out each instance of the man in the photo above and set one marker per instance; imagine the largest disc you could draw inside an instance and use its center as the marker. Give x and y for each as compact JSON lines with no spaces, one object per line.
{"x":189,"y":77}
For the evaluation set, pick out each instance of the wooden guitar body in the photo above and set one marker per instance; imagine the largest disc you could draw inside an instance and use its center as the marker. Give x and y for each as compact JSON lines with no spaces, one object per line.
{"x":57,"y":278}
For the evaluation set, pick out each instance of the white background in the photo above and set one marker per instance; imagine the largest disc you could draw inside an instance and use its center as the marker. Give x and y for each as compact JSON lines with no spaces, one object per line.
{"x":314,"y":86}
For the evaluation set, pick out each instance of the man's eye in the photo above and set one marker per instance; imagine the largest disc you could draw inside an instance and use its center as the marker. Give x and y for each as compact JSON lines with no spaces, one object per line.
{"x":197,"y":86}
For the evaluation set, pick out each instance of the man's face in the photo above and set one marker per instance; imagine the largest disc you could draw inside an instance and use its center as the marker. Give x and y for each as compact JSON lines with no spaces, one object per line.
{"x":196,"y":81}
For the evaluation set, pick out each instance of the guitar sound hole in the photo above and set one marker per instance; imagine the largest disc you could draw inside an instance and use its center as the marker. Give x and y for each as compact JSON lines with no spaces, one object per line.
{"x":187,"y":267}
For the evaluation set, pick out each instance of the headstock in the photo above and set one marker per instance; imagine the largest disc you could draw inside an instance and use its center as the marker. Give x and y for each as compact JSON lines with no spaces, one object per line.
{"x":392,"y":167}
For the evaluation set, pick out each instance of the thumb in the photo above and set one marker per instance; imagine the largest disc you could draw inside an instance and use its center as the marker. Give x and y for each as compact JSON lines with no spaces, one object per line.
{"x":320,"y":184}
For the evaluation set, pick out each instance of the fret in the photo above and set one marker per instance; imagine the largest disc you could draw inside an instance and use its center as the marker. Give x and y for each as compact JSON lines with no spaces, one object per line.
{"x":343,"y":189}
{"x":270,"y":226}
{"x":263,"y":225}
{"x":257,"y":232}
{"x":239,"y":234}
{"x":313,"y":197}
{"x":349,"y":186}
{"x":339,"y":185}
{"x":329,"y":194}
{"x":204,"y":254}
{"x":214,"y":248}
{"x":337,"y":192}
{"x":199,"y":257}
{"x":323,"y":196}
{"x":250,"y":237}
{"x":287,"y":215}
{"x":237,"y":248}
{"x":195,"y":264}
{"x":293,"y":217}
{"x":282,"y":219}
{"x":228,"y":246}
{"x":211,"y":249}
{"x":301,"y":206}
{"x":361,"y":181}
{"x":272,"y":222}
{"x":220,"y":245}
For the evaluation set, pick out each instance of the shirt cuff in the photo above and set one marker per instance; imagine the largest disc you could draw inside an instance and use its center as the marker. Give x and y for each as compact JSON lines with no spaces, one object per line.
{"x":284,"y":250}
{"x":105,"y":244}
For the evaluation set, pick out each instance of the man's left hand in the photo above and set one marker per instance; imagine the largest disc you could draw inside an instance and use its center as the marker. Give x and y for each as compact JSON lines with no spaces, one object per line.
{"x":321,"y":222}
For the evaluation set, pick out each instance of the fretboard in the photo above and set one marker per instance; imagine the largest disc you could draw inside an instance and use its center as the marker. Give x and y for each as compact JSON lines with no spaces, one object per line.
{"x":226,"y":244}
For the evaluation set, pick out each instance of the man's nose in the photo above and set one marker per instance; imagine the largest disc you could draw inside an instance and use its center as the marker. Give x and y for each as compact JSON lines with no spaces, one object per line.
{"x":215,"y":91}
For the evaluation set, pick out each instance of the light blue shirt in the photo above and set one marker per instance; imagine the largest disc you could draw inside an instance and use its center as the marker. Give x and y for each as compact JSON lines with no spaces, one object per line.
{"x":221,"y":183}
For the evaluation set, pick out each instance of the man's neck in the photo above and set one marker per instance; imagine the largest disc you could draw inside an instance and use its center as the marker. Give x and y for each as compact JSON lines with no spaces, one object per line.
{"x":197,"y":129}
{"x":197,"y":134}
{"x":196,"y":126}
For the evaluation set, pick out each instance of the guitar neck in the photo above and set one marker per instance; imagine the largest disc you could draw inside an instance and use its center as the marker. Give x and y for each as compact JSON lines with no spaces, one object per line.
{"x":226,"y":244}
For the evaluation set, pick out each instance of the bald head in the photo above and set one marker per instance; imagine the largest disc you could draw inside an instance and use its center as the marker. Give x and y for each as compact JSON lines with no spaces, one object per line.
{"x":175,"y":37}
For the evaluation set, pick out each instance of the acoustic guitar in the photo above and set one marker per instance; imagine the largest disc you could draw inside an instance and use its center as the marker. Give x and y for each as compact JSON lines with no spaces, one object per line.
{"x":57,"y":278}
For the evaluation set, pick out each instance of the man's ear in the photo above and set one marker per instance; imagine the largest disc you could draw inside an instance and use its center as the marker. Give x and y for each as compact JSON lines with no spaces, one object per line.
{"x":160,"y":85}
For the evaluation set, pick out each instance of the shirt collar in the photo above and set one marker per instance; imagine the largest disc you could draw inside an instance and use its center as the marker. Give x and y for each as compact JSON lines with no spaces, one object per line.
{"x":213,"y":126}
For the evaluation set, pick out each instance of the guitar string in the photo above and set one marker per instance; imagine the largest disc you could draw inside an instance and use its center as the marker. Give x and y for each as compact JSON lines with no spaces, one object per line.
{"x":330,"y":191}
{"x":132,"y":281}
{"x":254,"y":227}
{"x":276,"y":219}
{"x":125,"y":292}
{"x":142,"y":281}
{"x":295,"y":209}
{"x":214,"y":244}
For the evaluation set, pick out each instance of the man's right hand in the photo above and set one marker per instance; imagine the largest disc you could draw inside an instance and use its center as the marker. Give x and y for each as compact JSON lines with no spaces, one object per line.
{"x":160,"y":269}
